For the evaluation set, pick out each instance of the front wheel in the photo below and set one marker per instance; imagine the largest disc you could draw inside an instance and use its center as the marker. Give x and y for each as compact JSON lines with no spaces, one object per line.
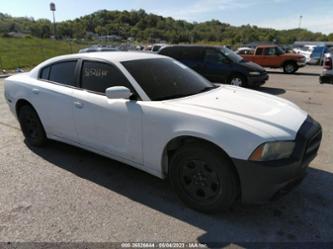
{"x":31,"y":126}
{"x":237,"y":80}
{"x":290,"y":67}
{"x":203,"y":178}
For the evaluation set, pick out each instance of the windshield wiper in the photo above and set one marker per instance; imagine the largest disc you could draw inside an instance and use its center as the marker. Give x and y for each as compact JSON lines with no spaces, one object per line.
{"x":174,"y":96}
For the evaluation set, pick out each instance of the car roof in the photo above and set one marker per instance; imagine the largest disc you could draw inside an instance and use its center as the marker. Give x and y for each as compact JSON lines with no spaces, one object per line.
{"x":115,"y":57}
{"x":267,"y":46}
{"x":192,"y":46}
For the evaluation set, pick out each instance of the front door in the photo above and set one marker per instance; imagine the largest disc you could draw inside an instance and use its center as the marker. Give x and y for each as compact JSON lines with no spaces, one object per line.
{"x":218,"y":67}
{"x":112,"y":126}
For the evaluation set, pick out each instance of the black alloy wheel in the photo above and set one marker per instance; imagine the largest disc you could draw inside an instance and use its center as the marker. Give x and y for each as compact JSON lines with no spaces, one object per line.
{"x":31,"y":126}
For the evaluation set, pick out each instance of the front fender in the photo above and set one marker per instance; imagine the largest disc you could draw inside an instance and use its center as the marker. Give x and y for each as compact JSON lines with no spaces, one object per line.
{"x":161,"y":127}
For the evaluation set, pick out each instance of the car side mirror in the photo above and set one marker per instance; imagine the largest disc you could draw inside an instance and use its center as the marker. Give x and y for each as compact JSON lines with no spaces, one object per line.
{"x":118,"y":92}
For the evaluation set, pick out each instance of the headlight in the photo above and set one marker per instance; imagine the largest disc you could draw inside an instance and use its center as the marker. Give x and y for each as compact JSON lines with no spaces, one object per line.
{"x":273,"y":151}
{"x":254,"y":73}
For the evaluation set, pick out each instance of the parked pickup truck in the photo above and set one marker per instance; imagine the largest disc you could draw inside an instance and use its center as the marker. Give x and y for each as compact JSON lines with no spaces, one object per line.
{"x":274,"y":57}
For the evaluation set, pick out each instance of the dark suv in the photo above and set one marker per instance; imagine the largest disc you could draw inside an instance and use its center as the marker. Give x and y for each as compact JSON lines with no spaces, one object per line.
{"x":218,"y":64}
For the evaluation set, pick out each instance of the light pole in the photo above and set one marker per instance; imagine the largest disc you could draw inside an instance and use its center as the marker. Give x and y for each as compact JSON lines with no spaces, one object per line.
{"x":300,"y":21}
{"x":53,"y":9}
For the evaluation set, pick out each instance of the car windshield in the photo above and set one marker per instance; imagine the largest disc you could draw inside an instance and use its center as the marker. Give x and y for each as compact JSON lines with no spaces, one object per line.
{"x":163,"y":78}
{"x":231,"y":55}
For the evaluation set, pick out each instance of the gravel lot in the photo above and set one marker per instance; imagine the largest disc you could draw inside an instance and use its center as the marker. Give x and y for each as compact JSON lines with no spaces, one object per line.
{"x":62,"y":193}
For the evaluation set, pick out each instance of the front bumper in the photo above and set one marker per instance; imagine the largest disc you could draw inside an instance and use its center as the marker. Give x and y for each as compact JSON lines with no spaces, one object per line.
{"x":259,"y":80}
{"x":262,"y":181}
{"x":301,"y":64}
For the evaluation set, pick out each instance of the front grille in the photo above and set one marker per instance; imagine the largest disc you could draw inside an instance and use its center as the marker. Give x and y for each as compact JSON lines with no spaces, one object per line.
{"x":308,"y":140}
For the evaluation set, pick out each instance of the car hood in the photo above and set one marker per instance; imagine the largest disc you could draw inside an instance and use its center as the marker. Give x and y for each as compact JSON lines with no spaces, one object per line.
{"x":251,"y":66}
{"x":276,"y":117}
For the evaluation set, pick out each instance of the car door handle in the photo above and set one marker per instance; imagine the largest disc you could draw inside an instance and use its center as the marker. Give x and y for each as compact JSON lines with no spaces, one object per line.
{"x":35,"y":91}
{"x":78,"y":104}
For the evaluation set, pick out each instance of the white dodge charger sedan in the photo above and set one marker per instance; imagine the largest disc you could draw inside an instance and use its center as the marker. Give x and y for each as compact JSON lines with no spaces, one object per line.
{"x":216,"y":143}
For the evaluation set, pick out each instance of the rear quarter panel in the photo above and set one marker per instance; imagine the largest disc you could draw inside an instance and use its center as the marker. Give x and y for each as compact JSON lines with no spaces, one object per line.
{"x":17,"y":87}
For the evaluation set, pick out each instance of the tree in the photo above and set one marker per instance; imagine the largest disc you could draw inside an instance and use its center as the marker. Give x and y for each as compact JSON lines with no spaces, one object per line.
{"x":149,"y":27}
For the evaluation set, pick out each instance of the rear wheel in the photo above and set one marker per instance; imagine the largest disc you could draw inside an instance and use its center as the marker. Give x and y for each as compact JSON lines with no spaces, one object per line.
{"x":31,"y":126}
{"x":290,"y":67}
{"x":203,"y":178}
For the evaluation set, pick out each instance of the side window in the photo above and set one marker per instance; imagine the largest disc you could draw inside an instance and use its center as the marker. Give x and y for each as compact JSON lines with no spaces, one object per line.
{"x":213,"y":56}
{"x":269,"y":51}
{"x":191,"y":54}
{"x":98,"y":76}
{"x":44,"y":74}
{"x":63,"y":72}
{"x":259,"y":51}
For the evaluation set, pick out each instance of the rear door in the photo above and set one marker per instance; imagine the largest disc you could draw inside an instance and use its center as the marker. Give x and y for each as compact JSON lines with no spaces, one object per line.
{"x":53,"y":99}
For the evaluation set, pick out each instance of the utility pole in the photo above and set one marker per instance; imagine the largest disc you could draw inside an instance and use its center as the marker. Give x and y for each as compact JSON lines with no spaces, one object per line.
{"x":53,"y":9}
{"x":300,"y":21}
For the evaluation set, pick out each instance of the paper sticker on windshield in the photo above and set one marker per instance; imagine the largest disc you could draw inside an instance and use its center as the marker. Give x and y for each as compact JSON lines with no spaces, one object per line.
{"x":180,"y":64}
{"x":95,"y":72}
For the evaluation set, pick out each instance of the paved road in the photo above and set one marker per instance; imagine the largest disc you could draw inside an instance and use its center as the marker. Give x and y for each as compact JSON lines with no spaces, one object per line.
{"x":62,"y":193}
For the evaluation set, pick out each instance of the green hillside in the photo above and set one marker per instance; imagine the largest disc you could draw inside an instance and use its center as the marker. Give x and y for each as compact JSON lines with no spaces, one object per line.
{"x":137,"y":25}
{"x":147,"y":27}
{"x":28,"y":52}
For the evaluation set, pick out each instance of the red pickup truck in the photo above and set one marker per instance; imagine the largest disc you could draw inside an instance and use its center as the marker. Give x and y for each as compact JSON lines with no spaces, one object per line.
{"x":274,"y":57}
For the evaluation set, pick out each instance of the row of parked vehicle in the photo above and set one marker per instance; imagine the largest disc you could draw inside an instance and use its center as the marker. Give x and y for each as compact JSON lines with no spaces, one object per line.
{"x":314,"y":54}
{"x":273,"y":56}
{"x":245,"y":67}
{"x":217,"y":64}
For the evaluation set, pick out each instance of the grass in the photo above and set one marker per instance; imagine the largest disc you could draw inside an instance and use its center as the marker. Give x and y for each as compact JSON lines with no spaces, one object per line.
{"x":28,"y":52}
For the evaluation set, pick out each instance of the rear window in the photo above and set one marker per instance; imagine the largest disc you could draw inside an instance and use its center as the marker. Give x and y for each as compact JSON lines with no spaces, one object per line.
{"x":44,"y":74}
{"x":63,"y":73}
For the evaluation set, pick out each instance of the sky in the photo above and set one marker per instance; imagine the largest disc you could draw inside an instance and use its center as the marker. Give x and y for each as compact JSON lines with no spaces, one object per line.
{"x":278,"y":14}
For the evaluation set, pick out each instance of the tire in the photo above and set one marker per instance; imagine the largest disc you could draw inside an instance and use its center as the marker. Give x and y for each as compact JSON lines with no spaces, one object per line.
{"x":290,"y":67}
{"x":237,"y":80}
{"x":203,"y":178}
{"x":31,"y":126}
